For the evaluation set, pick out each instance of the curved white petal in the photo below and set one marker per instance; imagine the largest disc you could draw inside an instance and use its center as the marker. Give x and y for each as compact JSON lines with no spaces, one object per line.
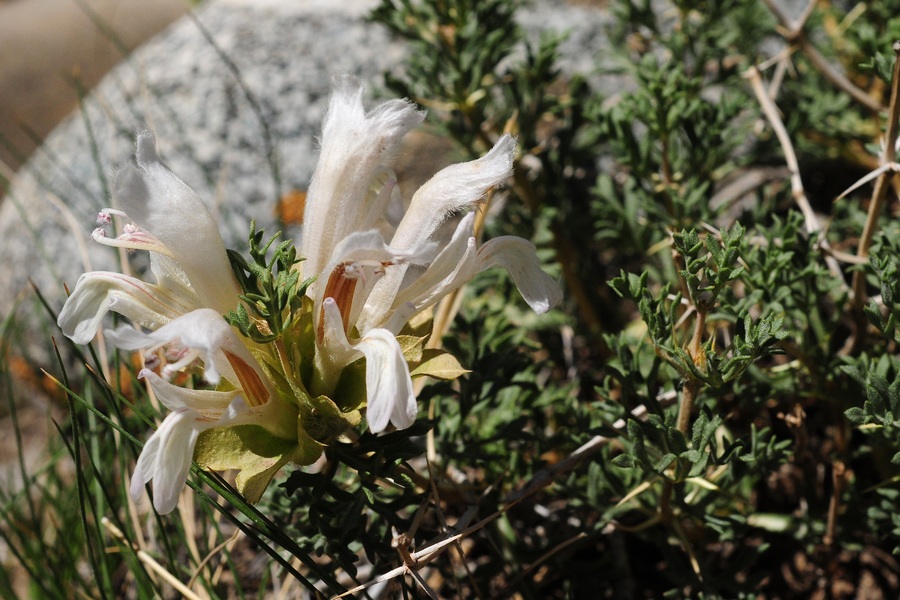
{"x":354,"y":146}
{"x":203,"y":330}
{"x":459,"y":262}
{"x":159,"y":202}
{"x":143,"y":470}
{"x":171,"y":277}
{"x":166,"y":458}
{"x":208,"y":403}
{"x":455,"y":265}
{"x":98,"y":292}
{"x":389,"y":390}
{"x":453,"y":189}
{"x":338,"y":351}
{"x":167,"y":455}
{"x":518,"y":257}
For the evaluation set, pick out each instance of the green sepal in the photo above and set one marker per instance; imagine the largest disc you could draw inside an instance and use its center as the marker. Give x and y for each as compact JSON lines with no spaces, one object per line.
{"x":256,"y":453}
{"x":412,"y":347}
{"x":439,"y":365}
{"x":324,"y":421}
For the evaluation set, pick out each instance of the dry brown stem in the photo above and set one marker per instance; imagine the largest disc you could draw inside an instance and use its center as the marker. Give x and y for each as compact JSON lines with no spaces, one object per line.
{"x":793,"y":33}
{"x":882,"y":184}
{"x":790,"y":157}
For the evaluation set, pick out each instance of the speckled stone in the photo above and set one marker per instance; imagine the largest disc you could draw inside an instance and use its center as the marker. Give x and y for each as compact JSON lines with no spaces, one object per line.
{"x":236,"y":119}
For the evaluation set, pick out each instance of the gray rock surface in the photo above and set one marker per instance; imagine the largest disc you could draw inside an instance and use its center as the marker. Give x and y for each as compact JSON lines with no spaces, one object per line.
{"x":236,"y":119}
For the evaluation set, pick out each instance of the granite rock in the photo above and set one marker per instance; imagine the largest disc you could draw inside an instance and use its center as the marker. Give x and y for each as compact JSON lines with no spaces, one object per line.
{"x":235,"y":94}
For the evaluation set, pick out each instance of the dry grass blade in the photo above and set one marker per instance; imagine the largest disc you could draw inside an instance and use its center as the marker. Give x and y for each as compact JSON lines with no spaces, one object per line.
{"x":151,"y":563}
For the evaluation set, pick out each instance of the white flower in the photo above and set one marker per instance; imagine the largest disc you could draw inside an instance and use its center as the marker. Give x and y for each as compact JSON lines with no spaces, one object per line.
{"x":202,"y":334}
{"x":368,"y":289}
{"x":274,"y":398}
{"x":166,"y":457}
{"x":187,"y":254}
{"x":184,"y":310}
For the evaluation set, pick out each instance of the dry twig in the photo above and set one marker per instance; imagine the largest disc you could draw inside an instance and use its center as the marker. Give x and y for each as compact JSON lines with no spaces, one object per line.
{"x":879,"y":194}
{"x":790,"y":157}
{"x":793,"y":33}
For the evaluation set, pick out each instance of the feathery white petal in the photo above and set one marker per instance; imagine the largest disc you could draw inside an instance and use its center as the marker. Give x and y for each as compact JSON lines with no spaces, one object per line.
{"x":453,"y":189}
{"x":354,"y":147}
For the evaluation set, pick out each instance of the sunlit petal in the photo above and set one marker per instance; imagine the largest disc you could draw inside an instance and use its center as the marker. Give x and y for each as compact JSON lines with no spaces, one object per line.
{"x":159,"y":202}
{"x":207,"y":403}
{"x":166,"y":459}
{"x":453,"y":189}
{"x":518,"y":257}
{"x":456,"y":264}
{"x":354,"y":146}
{"x":99,"y":292}
{"x":389,"y":389}
{"x":203,"y":330}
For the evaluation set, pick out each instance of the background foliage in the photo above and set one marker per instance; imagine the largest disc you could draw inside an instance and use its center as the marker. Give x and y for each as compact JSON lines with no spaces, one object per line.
{"x":715,"y":410}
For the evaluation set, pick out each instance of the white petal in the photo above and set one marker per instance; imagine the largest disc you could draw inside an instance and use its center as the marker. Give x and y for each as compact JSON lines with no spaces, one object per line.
{"x":208,"y":403}
{"x":166,"y":458}
{"x":354,"y":146}
{"x":366,"y":254}
{"x":454,"y":266}
{"x":362,"y":246}
{"x":98,"y":292}
{"x":170,"y":276}
{"x":518,"y":257}
{"x":158,"y":201}
{"x":389,"y":389}
{"x":143,"y":470}
{"x":333,"y":351}
{"x":203,"y":330}
{"x":338,"y":350}
{"x":453,"y":189}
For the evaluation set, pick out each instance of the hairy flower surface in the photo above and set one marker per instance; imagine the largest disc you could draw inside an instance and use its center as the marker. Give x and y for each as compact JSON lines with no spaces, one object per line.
{"x":292,"y":361}
{"x":195,"y":286}
{"x":370,"y":284}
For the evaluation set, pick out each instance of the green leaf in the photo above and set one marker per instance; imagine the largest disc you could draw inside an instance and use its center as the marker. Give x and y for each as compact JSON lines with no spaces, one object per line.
{"x":439,"y":365}
{"x":623,"y":461}
{"x":412,"y":347}
{"x":665,"y":462}
{"x":856,"y":415}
